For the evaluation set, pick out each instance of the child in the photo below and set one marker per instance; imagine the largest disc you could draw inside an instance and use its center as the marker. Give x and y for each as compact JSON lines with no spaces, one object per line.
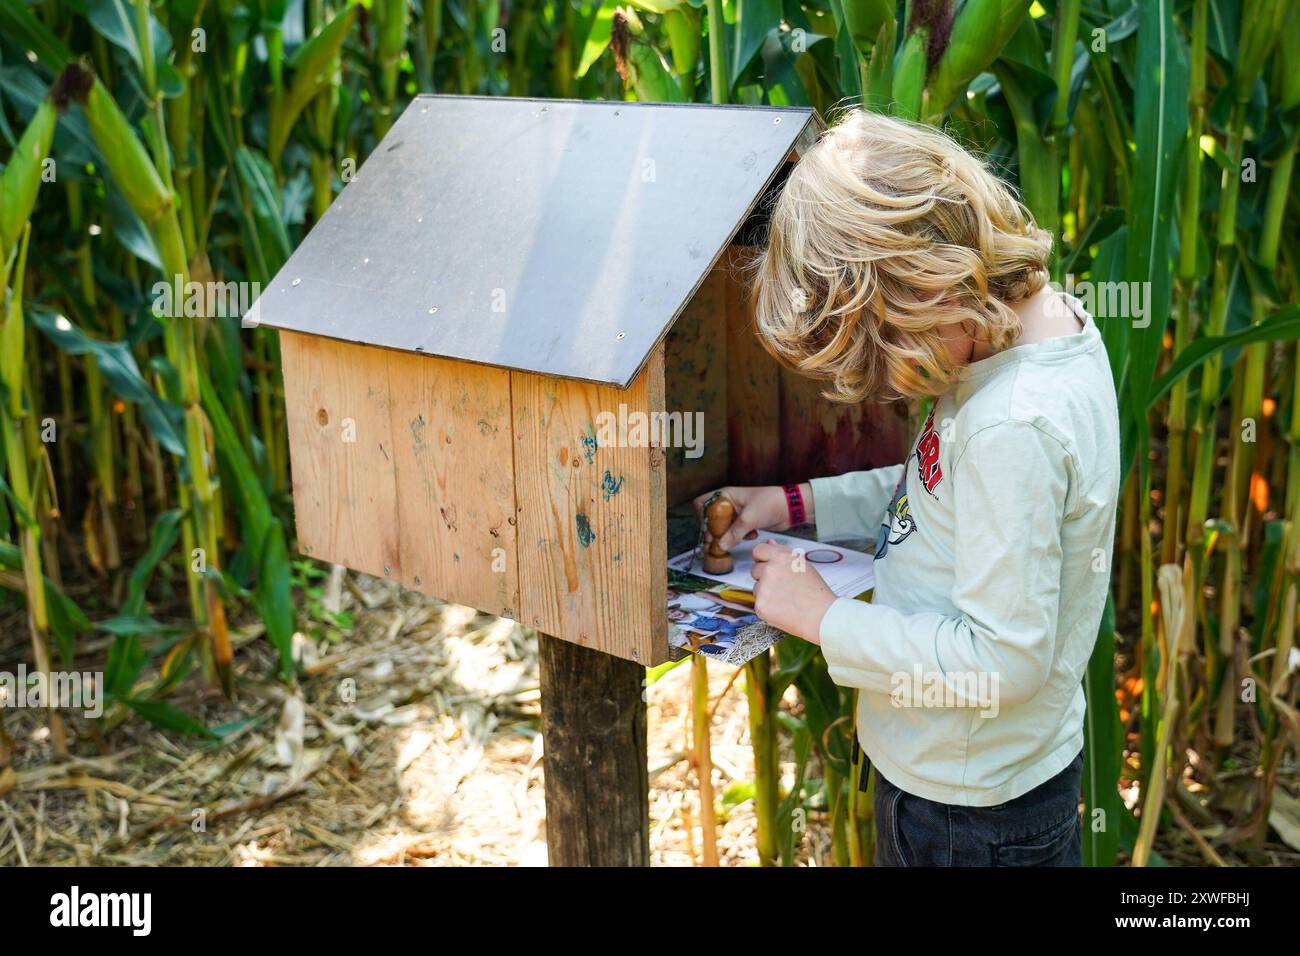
{"x":898,"y":266}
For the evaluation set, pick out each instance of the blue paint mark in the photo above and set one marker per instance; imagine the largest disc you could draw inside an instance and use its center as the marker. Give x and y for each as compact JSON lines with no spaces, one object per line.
{"x":589,"y":447}
{"x":585,"y":534}
{"x":611,"y":485}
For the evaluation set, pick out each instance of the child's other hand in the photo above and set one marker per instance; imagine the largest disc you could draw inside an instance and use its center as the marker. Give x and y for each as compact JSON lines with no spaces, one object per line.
{"x":789,"y":594}
{"x":757,"y":509}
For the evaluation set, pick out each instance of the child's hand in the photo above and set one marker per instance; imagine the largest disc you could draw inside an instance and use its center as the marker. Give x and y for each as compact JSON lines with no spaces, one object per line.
{"x":789,"y":594}
{"x":760,"y":508}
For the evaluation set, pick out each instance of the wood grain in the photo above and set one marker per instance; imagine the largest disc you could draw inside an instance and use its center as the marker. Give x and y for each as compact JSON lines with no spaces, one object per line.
{"x":821,"y":437}
{"x":597,"y":781}
{"x":402,"y":468}
{"x":341,"y":452}
{"x":695,"y":381}
{"x":455,"y":480}
{"x":592,"y":515}
{"x":753,"y":386}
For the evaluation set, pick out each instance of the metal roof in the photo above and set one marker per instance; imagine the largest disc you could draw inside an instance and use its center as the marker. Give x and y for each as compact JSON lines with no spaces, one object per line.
{"x":552,"y":236}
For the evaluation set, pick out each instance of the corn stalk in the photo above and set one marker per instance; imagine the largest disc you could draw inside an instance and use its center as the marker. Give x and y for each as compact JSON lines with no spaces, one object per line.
{"x":19,"y":183}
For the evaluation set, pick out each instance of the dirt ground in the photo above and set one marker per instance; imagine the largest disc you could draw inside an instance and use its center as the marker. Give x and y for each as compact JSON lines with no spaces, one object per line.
{"x":413,"y":739}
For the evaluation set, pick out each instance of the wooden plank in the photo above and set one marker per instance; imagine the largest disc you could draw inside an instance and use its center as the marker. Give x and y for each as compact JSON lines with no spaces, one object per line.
{"x":594,"y":734}
{"x":821,"y":437}
{"x":402,"y":468}
{"x":695,"y":383}
{"x":592,"y":513}
{"x":455,"y":480}
{"x":341,"y":452}
{"x":753,"y":386}
{"x":779,"y":426}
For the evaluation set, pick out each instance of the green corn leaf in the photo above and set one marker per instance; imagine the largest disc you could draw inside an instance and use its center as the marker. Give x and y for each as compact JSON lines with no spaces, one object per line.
{"x":1261,"y":26}
{"x":126,"y":657}
{"x":1025,"y":48}
{"x":863,"y":22}
{"x":161,"y":541}
{"x":127,"y":227}
{"x":21,"y":514}
{"x":258,"y":176}
{"x":657,"y":6}
{"x":823,"y":711}
{"x":67,"y":620}
{"x":115,"y":21}
{"x":801,"y":743}
{"x":783,"y":81}
{"x":274,"y":591}
{"x":1281,"y":326}
{"x":1040,"y":185}
{"x":1160,"y":126}
{"x":118,"y":365}
{"x":313,"y":64}
{"x":262,"y":531}
{"x":23,"y":27}
{"x":754,"y":18}
{"x":1108,"y":266}
{"x":139,"y":625}
{"x":879,"y":89}
{"x":1288,"y":61}
{"x":168,"y":717}
{"x":1103,"y":740}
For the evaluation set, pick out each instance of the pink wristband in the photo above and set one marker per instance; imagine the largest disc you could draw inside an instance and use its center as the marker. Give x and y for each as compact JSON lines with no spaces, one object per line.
{"x":794,"y":501}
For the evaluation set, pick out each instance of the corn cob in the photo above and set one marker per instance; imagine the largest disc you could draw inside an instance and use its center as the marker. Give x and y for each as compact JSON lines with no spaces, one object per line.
{"x":909,"y":75}
{"x":974,"y":44}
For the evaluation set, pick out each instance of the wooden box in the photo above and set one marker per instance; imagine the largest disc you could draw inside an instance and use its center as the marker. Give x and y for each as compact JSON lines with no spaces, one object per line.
{"x":479,"y":335}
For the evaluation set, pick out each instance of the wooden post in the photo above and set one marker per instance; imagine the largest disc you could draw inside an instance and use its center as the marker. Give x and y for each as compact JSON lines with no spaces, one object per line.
{"x":594,"y":734}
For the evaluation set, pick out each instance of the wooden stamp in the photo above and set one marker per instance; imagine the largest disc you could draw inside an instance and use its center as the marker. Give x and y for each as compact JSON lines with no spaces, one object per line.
{"x":718,"y":515}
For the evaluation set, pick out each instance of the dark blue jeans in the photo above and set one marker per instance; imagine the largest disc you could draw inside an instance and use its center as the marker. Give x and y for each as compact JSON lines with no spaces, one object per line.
{"x":1038,"y":828}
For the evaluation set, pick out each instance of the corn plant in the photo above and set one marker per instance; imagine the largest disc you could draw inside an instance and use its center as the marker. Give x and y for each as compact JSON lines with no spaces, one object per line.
{"x":200,"y":139}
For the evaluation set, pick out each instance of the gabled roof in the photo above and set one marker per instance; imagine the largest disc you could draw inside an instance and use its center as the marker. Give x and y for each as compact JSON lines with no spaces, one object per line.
{"x":553,"y":236}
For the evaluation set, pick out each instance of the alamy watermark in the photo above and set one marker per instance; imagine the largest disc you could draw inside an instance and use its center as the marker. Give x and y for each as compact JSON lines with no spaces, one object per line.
{"x":1107,"y":300}
{"x":68,"y":690}
{"x":179,"y":299}
{"x":638,"y":429}
{"x":133,"y":911}
{"x":922,"y":688}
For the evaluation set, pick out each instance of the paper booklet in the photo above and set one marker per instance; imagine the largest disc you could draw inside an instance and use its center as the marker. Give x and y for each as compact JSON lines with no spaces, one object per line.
{"x":713,"y":614}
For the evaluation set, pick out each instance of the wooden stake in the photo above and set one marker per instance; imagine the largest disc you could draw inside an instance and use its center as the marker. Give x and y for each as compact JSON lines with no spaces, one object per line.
{"x":594,"y":734}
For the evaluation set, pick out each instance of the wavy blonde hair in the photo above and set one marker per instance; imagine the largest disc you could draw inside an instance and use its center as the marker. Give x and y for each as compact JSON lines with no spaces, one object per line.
{"x":885,"y":233}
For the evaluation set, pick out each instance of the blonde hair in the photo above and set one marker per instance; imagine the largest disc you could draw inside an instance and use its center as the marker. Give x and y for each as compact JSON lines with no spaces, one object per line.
{"x":884,"y":233}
